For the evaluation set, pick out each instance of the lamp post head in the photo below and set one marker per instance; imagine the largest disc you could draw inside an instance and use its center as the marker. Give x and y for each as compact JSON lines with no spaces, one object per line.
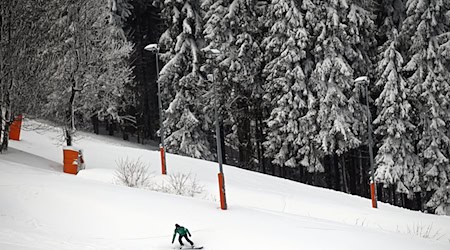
{"x":362,"y":79}
{"x":211,"y":51}
{"x":152,"y":47}
{"x":215,"y":51}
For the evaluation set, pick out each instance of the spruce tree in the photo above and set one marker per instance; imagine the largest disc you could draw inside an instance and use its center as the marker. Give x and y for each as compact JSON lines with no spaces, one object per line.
{"x":290,"y":127}
{"x":333,"y":77}
{"x":426,"y":24}
{"x":397,"y":163}
{"x":181,"y":80}
{"x":232,"y":27}
{"x":216,"y":33}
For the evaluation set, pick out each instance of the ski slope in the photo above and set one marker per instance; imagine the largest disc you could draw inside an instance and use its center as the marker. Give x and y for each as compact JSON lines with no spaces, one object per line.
{"x":43,"y":208}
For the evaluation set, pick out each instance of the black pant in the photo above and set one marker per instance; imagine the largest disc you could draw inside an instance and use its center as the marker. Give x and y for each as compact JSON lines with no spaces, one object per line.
{"x":186,"y":237}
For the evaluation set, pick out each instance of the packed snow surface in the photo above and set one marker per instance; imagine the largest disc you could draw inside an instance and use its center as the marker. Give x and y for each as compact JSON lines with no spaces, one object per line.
{"x":43,"y":208}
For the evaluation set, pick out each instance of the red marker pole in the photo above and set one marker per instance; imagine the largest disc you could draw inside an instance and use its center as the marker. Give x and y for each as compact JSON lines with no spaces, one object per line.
{"x":372,"y":195}
{"x":163,"y":159}
{"x":223,"y":202}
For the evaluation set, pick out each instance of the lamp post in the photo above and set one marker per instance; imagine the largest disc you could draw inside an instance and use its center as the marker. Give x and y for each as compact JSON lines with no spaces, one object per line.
{"x":154,"y":48}
{"x":373,"y":190}
{"x":223,"y":201}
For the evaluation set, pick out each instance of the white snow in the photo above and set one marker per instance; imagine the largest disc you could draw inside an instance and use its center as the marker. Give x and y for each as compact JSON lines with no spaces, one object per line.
{"x":43,"y":208}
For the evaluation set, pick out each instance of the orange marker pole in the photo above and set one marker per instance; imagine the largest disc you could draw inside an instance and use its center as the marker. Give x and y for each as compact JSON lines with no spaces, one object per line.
{"x":223,"y":203}
{"x":163,"y":160}
{"x":372,"y":194}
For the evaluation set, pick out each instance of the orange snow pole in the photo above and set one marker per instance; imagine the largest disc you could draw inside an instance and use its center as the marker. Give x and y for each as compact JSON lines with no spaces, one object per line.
{"x":372,"y":194}
{"x":163,"y":162}
{"x":14,"y":129}
{"x":223,"y":203}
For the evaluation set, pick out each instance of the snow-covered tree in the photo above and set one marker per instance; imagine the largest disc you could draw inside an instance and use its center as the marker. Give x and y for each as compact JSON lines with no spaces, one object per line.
{"x":21,"y":37}
{"x":104,"y":85}
{"x":216,"y":35}
{"x":427,"y":26}
{"x":290,"y":127}
{"x":89,"y":67}
{"x":332,"y":77}
{"x":397,"y":163}
{"x":180,"y":78}
{"x":232,"y":27}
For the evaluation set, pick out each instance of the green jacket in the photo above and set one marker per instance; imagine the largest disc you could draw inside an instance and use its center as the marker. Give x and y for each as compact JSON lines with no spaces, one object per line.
{"x":182,"y":231}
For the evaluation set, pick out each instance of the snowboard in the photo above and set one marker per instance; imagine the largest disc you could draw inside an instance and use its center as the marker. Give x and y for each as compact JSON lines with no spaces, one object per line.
{"x":188,"y":247}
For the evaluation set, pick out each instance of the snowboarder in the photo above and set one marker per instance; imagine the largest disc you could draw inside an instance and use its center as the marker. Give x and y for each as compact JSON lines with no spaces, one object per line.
{"x":183,"y":232}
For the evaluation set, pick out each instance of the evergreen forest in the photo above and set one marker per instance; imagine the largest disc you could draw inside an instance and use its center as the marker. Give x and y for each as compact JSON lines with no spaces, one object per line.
{"x":307,"y":90}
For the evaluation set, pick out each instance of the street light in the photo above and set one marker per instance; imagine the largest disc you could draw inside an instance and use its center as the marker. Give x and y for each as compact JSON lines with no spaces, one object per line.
{"x":373,"y":190}
{"x":223,"y":200}
{"x":154,"y":48}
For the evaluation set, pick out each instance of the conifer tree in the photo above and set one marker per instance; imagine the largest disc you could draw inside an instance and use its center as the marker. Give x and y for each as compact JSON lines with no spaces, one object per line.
{"x":290,"y":127}
{"x":216,"y":33}
{"x":397,"y":163}
{"x":181,"y":81}
{"x":232,"y":27}
{"x":427,"y":24}
{"x":333,"y":77}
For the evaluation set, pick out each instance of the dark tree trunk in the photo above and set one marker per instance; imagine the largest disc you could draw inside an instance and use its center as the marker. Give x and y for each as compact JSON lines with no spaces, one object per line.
{"x":344,"y":174}
{"x":70,"y":119}
{"x":418,"y":204}
{"x":328,"y":172}
{"x":125,"y":135}
{"x":260,"y":140}
{"x":353,"y":175}
{"x":337,"y":173}
{"x":244,"y":143}
{"x":111,"y":128}
{"x":95,"y":124}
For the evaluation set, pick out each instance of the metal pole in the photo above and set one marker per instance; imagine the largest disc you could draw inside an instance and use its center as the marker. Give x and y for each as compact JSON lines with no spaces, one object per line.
{"x":161,"y":118}
{"x":223,"y":202}
{"x":369,"y":127}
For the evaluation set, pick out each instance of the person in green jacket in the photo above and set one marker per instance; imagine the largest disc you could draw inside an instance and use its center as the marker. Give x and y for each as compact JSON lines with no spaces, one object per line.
{"x":183,"y":233}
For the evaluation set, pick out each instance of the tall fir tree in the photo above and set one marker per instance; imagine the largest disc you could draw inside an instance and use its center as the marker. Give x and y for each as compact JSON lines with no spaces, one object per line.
{"x":180,"y":78}
{"x":291,"y":125}
{"x":333,"y":77}
{"x":232,"y":27}
{"x":397,"y":164}
{"x":216,"y":33}
{"x":427,"y":26}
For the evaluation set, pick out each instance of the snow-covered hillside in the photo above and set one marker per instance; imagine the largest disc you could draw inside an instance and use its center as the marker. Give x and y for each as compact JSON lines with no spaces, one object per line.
{"x":43,"y":208}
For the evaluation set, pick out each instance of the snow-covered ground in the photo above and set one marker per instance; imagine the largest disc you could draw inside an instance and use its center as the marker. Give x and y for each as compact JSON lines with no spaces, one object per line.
{"x":43,"y":208}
